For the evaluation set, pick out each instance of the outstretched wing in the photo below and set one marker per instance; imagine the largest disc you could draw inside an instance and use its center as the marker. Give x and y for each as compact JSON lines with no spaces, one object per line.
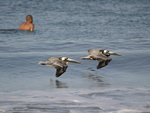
{"x":60,"y":68}
{"x":86,"y":58}
{"x":103,"y":60}
{"x":57,"y":63}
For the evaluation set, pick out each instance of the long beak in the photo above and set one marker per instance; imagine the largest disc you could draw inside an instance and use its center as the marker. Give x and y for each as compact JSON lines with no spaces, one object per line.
{"x":111,"y":53}
{"x":72,"y":61}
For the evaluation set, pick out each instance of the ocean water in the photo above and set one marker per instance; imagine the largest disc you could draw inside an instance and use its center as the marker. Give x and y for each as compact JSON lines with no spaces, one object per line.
{"x":70,"y":28}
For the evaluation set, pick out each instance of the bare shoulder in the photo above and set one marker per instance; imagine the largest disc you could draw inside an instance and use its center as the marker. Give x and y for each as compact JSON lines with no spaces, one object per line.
{"x":32,"y":24}
{"x":22,"y":25}
{"x":27,"y":26}
{"x":32,"y":27}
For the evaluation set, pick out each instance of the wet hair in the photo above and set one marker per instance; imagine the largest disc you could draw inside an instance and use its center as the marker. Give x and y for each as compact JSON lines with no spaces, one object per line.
{"x":28,"y":17}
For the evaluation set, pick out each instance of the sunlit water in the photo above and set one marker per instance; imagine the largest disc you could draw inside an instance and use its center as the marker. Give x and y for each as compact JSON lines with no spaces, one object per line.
{"x":71,"y":28}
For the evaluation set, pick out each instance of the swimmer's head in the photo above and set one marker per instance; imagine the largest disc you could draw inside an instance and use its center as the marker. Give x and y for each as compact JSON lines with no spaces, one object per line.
{"x":29,"y":18}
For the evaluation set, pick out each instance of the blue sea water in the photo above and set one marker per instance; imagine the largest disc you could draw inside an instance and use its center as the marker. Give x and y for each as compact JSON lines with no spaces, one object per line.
{"x":70,"y":28}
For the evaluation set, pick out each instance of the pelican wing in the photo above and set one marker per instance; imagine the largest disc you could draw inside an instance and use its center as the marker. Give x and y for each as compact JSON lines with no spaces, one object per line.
{"x":94,"y":51}
{"x":46,"y":63}
{"x":60,"y":67}
{"x":86,"y":58}
{"x":51,"y":59}
{"x":103,"y":60}
{"x":60,"y":70}
{"x":57,"y":63}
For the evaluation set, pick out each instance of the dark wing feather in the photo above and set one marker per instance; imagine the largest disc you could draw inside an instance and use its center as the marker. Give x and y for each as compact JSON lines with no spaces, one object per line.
{"x":103,"y":60}
{"x":103,"y":63}
{"x":60,"y":67}
{"x":60,"y":70}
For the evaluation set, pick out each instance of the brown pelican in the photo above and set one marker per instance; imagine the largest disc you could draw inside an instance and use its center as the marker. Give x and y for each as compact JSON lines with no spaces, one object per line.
{"x":60,"y":63}
{"x":100,"y":55}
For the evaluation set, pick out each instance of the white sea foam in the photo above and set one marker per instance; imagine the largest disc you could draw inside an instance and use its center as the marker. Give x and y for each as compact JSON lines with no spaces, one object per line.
{"x":108,"y":100}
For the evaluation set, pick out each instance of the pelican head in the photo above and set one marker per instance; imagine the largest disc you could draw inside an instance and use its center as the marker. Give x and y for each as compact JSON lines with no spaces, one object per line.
{"x":108,"y":53}
{"x":65,"y":59}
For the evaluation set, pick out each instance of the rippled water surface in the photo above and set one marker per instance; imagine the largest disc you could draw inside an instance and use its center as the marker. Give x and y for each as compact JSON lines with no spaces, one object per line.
{"x":71,"y":28}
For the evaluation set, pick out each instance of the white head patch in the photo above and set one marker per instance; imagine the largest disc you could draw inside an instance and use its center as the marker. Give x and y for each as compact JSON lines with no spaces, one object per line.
{"x":105,"y":51}
{"x":64,"y":58}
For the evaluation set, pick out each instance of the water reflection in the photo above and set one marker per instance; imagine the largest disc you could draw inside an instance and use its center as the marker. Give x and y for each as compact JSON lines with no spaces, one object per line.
{"x":58,"y":84}
{"x":91,"y":69}
{"x":61,"y":84}
{"x":95,"y":77}
{"x":96,"y":80}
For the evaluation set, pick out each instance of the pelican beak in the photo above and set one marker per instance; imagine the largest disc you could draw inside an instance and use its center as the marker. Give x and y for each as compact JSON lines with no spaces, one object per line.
{"x":111,"y":53}
{"x":72,"y":61}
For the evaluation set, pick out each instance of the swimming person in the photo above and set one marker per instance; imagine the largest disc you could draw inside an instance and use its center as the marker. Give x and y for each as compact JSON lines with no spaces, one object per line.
{"x":28,"y":24}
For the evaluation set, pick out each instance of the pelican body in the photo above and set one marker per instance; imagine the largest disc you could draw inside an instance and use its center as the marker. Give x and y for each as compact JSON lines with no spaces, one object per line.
{"x":100,"y":55}
{"x":59,"y":63}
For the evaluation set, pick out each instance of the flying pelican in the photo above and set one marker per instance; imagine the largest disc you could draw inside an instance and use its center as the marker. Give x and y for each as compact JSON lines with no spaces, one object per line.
{"x":60,"y":63}
{"x":100,"y":55}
